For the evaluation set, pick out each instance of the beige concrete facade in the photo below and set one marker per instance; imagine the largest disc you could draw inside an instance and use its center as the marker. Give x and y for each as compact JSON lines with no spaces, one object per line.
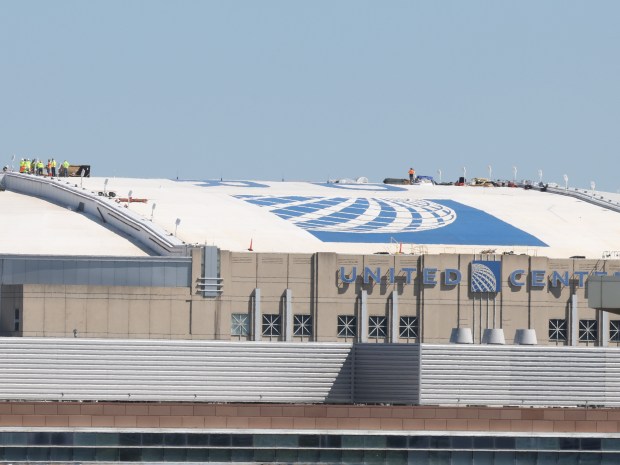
{"x":323,"y":286}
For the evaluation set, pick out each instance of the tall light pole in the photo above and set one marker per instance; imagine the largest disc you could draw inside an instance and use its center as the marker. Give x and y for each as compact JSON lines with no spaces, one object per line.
{"x":490,"y":172}
{"x":514,"y":173}
{"x":565,"y":181}
{"x":540,"y":173}
{"x":464,"y":174}
{"x":439,"y":174}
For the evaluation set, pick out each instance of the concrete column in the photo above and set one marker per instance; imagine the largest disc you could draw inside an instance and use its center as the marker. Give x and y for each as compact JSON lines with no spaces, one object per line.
{"x":362,"y":323}
{"x":574,"y":321}
{"x":604,"y":328}
{"x":394,"y":318}
{"x":257,"y":318}
{"x":288,"y":315}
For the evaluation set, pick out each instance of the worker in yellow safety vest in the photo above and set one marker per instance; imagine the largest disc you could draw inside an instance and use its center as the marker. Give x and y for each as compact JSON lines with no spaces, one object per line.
{"x":65,"y":168}
{"x":53,"y":168}
{"x":40,"y":167}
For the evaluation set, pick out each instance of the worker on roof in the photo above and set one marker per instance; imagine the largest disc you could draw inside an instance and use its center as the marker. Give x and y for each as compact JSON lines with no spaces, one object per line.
{"x":411,"y":175}
{"x":53,"y":168}
{"x":65,"y":168}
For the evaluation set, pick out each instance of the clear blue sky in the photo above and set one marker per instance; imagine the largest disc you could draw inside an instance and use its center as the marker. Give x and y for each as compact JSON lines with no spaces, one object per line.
{"x":311,"y":90}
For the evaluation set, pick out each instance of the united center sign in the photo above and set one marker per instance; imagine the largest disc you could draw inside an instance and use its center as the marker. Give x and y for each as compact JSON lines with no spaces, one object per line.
{"x":485,"y":276}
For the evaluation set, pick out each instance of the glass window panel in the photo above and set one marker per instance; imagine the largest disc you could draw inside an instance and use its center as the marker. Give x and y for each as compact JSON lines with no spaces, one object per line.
{"x":440,"y":442}
{"x":272,"y":325}
{"x":242,"y":440}
{"x":106,"y":454}
{"x":331,"y":440}
{"x":264,"y":455}
{"x":396,"y":457}
{"x":15,"y":453}
{"x":352,"y":456}
{"x":308,"y":455}
{"x":347,"y":326}
{"x":374,"y":442}
{"x":590,"y":443}
{"x":502,"y":442}
{"x":418,"y":456}
{"x":130,"y":454}
{"x":526,"y":443}
{"x":264,"y":440}
{"x":568,"y":458}
{"x":569,"y":443}
{"x":62,"y":439}
{"x":286,"y":455}
{"x":84,"y":454}
{"x":352,"y":441}
{"x":152,"y":439}
{"x":508,"y":457}
{"x":242,"y":455}
{"x":462,"y":457}
{"x":198,"y":455}
{"x":61,"y":454}
{"x":197,"y":439}
{"x":614,"y":330}
{"x":483,"y":458}
{"x":287,"y":440}
{"x":462,"y":442}
{"x":588,"y":330}
{"x":396,"y":442}
{"x":557,"y":329}
{"x":175,"y":439}
{"x":547,"y":443}
{"x":419,"y":442}
{"x":547,"y":458}
{"x":408,"y":327}
{"x":610,"y":459}
{"x":172,"y":454}
{"x":220,"y":440}
{"x":377,"y":327}
{"x":308,"y":440}
{"x":38,"y":454}
{"x":526,"y":458}
{"x":483,"y":442}
{"x":330,"y":455}
{"x":240,"y":324}
{"x":220,"y":455}
{"x":39,"y":438}
{"x":154,"y":454}
{"x":302,"y":325}
{"x":130,"y":439}
{"x":439,"y":456}
{"x":610,"y":443}
{"x":18,"y":439}
{"x":374,"y":456}
{"x":592,"y":458}
{"x":85,"y":439}
{"x":107,"y":439}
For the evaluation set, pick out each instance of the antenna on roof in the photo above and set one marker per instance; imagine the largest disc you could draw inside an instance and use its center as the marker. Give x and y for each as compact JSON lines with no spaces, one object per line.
{"x":540,"y":173}
{"x":565,"y":181}
{"x":439,"y":175}
{"x":176,"y":225}
{"x":490,"y":172}
{"x":514,"y":172}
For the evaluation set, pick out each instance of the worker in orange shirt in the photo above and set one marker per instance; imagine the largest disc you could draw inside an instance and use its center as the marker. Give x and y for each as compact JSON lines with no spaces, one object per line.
{"x":411,"y":175}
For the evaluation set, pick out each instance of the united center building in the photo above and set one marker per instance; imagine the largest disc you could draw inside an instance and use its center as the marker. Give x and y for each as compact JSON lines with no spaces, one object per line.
{"x":215,"y":321}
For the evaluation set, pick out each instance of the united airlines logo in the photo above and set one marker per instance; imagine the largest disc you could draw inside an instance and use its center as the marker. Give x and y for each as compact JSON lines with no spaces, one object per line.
{"x":357,"y":215}
{"x":486,"y":276}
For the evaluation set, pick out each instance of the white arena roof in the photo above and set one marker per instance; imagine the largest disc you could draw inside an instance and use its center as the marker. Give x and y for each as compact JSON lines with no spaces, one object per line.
{"x":306,"y":217}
